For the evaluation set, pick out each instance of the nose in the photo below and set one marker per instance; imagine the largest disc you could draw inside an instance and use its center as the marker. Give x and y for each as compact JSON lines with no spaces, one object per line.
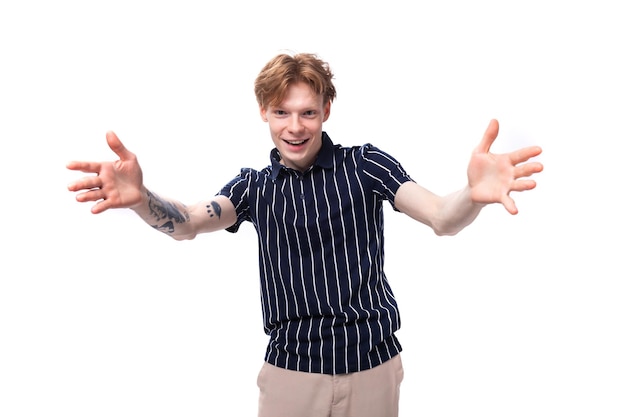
{"x":295,"y":124}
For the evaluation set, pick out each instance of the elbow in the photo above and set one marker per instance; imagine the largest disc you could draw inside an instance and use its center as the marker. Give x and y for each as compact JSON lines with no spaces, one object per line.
{"x":442,"y":228}
{"x":446,"y":232}
{"x":183,"y":236}
{"x":177,"y":232}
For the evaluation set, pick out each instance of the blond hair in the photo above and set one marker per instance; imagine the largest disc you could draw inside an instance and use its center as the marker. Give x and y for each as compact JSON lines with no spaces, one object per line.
{"x":284,"y":70}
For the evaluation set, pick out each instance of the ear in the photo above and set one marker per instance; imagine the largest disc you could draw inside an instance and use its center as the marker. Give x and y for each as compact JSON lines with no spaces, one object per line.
{"x":263,"y":112}
{"x":326,"y":111}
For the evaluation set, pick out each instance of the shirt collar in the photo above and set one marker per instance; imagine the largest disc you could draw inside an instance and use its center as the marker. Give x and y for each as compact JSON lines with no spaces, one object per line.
{"x":324,"y":157}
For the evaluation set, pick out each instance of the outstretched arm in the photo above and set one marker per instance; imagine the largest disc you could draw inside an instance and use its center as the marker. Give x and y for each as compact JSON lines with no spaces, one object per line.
{"x":119,"y":184}
{"x":491,"y":179}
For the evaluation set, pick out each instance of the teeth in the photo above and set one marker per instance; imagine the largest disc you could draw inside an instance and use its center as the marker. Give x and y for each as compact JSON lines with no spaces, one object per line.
{"x":298,"y":142}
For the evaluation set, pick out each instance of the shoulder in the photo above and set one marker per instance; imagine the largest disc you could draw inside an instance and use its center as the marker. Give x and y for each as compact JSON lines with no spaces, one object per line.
{"x":368,"y":154}
{"x":252,"y":173}
{"x":363,"y":155}
{"x":241,"y":182}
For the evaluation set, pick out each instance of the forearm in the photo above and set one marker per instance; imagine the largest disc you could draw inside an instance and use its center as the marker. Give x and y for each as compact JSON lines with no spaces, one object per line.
{"x":446,"y":215}
{"x":167,"y":216}
{"x":456,"y":211}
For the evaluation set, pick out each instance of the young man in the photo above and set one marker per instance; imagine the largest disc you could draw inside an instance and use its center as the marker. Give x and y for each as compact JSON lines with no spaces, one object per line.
{"x":328,"y":310}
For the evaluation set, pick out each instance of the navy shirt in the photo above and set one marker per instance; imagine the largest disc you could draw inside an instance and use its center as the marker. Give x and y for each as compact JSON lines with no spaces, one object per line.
{"x":327,"y":305}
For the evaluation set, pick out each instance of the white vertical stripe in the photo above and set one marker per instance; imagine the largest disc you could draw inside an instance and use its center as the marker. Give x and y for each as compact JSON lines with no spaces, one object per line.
{"x":346,"y":262}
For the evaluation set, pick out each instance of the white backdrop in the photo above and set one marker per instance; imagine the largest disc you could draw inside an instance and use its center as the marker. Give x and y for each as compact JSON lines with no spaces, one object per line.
{"x":516,"y":316}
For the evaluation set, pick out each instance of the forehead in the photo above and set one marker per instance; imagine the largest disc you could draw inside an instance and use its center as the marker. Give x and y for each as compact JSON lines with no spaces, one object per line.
{"x":300,"y":95}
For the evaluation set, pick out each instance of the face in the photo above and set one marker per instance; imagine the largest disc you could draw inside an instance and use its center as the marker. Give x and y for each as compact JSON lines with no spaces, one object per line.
{"x":296,"y":126}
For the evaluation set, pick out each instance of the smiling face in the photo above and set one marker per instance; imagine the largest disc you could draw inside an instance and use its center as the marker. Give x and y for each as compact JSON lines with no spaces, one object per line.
{"x":296,"y":125}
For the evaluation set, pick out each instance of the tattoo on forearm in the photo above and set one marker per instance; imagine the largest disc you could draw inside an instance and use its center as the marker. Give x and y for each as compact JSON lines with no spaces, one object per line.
{"x":162,"y":210}
{"x":167,"y":227}
{"x":214,"y":209}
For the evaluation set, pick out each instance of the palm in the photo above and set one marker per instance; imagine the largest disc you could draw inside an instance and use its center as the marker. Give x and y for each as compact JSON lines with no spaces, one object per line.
{"x":492,"y":177}
{"x":116,"y":184}
{"x":122,"y":182}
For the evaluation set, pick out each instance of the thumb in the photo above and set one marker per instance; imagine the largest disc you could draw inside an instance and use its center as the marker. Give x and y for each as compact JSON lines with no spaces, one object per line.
{"x":490,"y":135}
{"x":118,"y":147}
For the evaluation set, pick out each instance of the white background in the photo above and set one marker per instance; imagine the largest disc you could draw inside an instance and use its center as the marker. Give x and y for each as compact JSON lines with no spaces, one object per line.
{"x":516,"y":316}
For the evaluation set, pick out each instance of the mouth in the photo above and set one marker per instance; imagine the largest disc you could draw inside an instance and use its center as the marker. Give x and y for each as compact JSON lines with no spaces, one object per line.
{"x":296,"y":142}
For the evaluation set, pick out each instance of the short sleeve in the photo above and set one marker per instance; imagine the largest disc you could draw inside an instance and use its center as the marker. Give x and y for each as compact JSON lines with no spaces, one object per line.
{"x":237,"y":191}
{"x":383,"y":171}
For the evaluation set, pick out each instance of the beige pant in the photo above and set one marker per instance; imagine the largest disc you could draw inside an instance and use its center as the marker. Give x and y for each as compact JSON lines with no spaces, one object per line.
{"x":371,"y":393}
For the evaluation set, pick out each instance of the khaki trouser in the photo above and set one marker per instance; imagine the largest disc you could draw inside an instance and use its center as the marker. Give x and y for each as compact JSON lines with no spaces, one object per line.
{"x":371,"y":393}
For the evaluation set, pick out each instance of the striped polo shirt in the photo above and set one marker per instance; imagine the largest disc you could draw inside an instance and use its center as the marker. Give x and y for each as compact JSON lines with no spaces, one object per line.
{"x":327,"y":305}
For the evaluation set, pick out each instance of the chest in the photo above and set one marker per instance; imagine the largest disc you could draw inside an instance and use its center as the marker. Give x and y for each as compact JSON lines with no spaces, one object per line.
{"x":320,"y":203}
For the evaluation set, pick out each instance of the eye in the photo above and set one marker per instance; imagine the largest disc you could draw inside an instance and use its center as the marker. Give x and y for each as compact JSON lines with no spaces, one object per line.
{"x":278,"y":112}
{"x":309,"y":113}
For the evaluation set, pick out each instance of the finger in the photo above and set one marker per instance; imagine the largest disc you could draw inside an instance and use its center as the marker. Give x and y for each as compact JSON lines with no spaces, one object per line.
{"x":118,"y":147}
{"x":524,"y":154}
{"x":509,"y":204}
{"x":90,"y":195}
{"x":490,"y":135}
{"x":89,"y":167}
{"x":100,"y":206}
{"x":523,"y":185}
{"x":86,"y":183}
{"x":526,"y":170}
{"x":97,"y":195}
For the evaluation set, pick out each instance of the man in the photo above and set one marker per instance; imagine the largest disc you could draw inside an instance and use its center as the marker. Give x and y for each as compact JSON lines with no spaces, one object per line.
{"x":328,"y":310}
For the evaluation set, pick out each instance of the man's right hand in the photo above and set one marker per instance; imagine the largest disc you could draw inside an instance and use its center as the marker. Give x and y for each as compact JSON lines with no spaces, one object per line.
{"x":117,"y":184}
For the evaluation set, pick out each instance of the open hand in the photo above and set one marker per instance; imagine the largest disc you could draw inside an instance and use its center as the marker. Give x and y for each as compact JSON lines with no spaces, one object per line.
{"x":116,"y":184}
{"x":492,"y":177}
